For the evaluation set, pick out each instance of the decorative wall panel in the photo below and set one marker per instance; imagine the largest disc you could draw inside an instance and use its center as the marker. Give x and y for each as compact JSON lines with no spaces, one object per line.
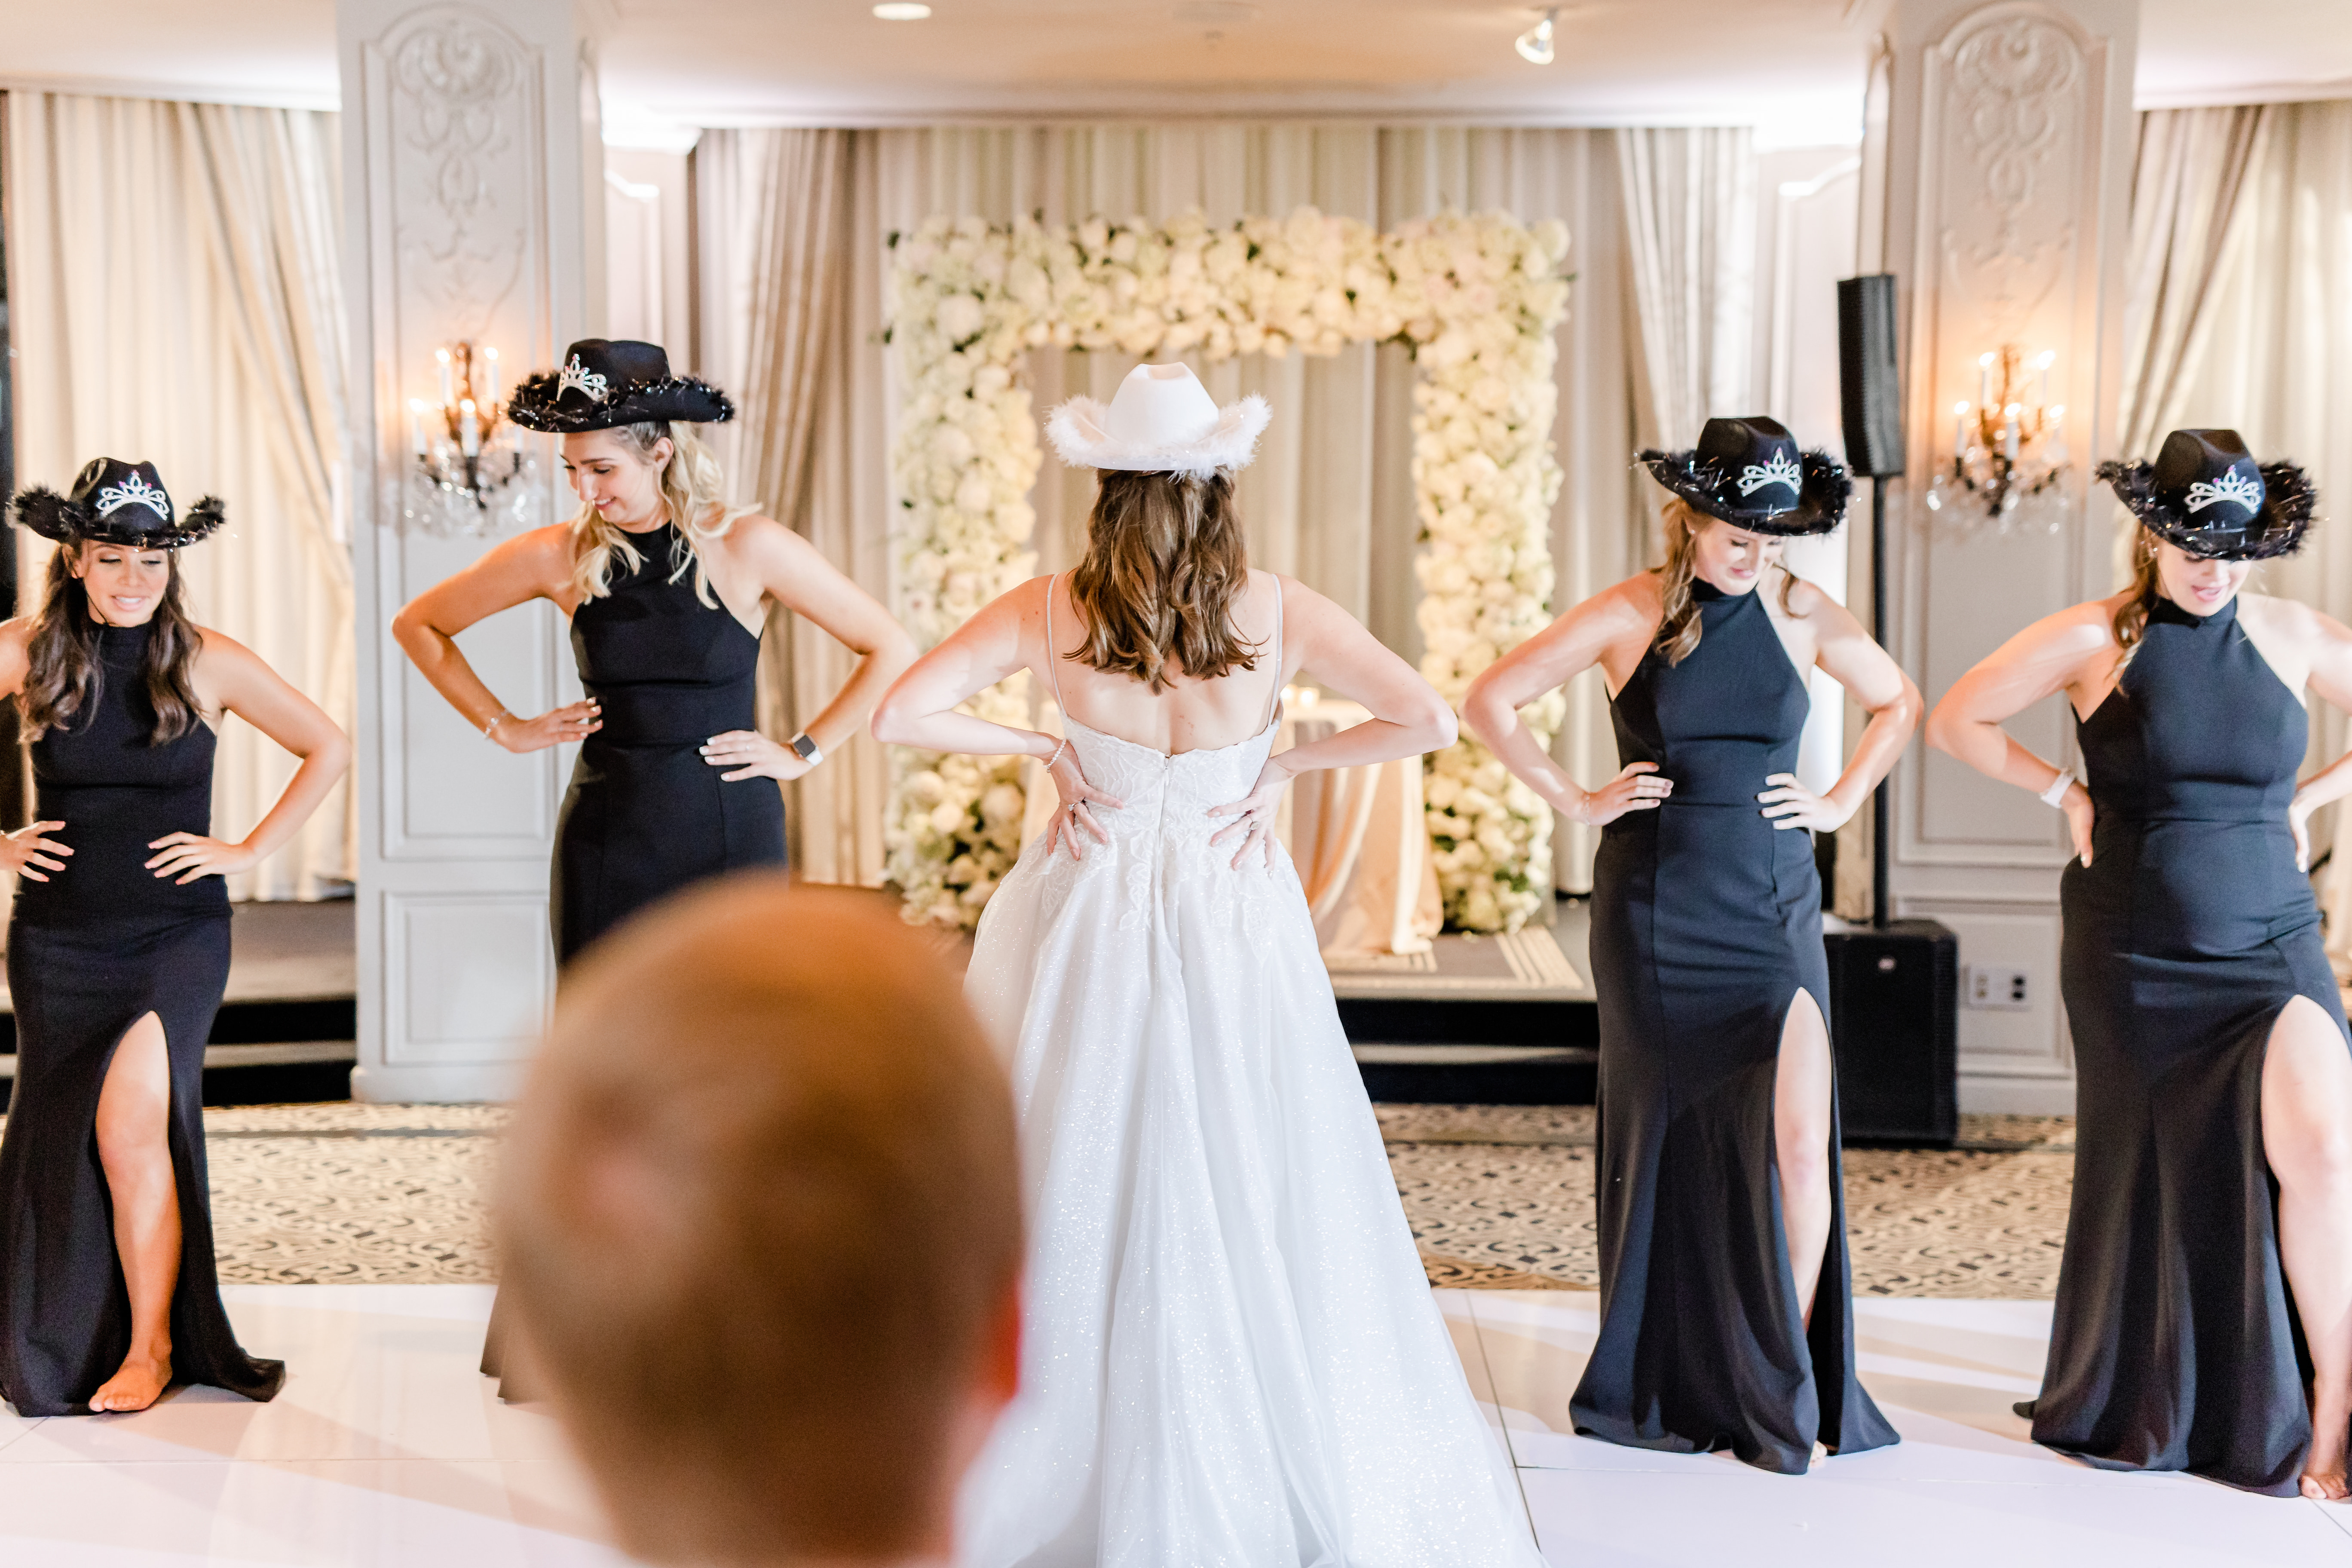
{"x":468,"y":219}
{"x":2009,"y":143}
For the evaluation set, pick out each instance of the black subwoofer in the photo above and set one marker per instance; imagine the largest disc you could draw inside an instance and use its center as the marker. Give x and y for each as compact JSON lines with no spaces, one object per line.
{"x":1894,"y":994}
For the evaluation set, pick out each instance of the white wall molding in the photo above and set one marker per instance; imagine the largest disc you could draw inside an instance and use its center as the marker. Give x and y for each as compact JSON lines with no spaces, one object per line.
{"x":472,"y":187}
{"x":2011,"y":138}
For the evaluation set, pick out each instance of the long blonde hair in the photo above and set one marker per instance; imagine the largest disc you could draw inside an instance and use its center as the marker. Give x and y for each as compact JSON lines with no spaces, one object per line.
{"x":694,"y":492}
{"x":1680,"y":627}
{"x":2131,"y":616}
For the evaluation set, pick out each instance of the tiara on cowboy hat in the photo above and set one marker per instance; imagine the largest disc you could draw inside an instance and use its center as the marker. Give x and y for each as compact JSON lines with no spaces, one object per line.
{"x":607,"y":383}
{"x":1749,"y":473}
{"x":2206,"y":494}
{"x":1161,"y":421}
{"x":115,"y":502}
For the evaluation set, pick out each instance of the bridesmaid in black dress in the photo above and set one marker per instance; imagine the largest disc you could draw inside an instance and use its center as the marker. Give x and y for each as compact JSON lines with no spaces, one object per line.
{"x":1726,"y":1310}
{"x":668,"y":588}
{"x":118,"y":952}
{"x":2204,"y":1313}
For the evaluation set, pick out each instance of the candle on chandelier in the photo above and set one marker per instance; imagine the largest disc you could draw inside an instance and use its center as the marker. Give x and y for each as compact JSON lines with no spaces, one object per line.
{"x":2041,"y":364}
{"x":416,"y":425}
{"x":2009,"y":433}
{"x":1959,"y":429}
{"x":491,"y":378}
{"x":449,"y":387}
{"x":1984,"y":379}
{"x":469,"y":430}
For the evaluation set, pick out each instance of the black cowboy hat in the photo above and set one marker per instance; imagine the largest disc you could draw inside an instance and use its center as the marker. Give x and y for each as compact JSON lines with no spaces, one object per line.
{"x":115,"y":502}
{"x":605,"y":383}
{"x":2206,"y":494}
{"x":1749,"y":473}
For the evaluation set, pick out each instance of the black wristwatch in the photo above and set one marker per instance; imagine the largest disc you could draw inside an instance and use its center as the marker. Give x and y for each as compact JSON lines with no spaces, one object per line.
{"x":804,"y":747}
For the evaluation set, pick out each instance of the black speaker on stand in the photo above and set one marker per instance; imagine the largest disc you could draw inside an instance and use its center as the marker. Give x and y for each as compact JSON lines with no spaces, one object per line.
{"x":1893,"y":985}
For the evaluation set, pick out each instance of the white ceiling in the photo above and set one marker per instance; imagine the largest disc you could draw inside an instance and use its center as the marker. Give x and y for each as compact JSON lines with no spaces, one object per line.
{"x":1792,"y":65}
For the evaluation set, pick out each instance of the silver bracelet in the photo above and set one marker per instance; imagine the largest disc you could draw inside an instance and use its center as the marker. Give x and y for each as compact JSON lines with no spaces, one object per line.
{"x":2055,"y":795}
{"x":489,"y":729}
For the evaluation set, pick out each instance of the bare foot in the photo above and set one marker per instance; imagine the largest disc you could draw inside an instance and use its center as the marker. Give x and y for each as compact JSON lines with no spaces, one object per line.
{"x":2328,"y":1487}
{"x":138,"y":1385}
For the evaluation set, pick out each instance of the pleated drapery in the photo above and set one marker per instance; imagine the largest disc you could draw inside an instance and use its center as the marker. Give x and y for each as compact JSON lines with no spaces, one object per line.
{"x":176,"y":275}
{"x":1330,"y":498}
{"x":1690,"y":238}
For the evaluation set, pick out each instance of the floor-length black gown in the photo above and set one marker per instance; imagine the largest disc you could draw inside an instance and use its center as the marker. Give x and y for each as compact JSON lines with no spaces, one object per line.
{"x":1706,"y":924}
{"x":2174,"y":1344}
{"x":646,"y":815}
{"x":91,"y":951}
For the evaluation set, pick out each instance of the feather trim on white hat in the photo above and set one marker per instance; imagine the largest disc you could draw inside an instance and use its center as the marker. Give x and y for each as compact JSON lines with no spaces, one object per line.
{"x":1076,"y":430}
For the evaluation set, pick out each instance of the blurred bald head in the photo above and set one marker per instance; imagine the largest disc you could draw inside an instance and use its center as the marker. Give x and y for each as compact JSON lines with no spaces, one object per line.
{"x":760,"y":1226}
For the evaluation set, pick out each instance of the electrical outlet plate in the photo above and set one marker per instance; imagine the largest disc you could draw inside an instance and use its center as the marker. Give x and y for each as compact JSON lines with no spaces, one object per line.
{"x":1993,"y":986}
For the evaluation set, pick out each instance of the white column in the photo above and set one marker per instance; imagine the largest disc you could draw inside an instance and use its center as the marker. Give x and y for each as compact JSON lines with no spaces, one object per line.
{"x":2009,"y":149}
{"x":473,"y":210}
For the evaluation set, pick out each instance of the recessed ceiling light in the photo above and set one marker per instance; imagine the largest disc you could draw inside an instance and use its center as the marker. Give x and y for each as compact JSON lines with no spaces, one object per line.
{"x":1535,"y":44}
{"x":902,"y":11}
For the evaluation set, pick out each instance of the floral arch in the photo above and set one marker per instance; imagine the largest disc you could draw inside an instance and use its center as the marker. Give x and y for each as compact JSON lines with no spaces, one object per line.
{"x":1477,"y":298}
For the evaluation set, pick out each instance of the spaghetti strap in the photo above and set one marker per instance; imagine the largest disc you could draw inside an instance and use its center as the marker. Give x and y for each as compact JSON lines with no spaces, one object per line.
{"x":1052,"y":649}
{"x":1273,"y":700}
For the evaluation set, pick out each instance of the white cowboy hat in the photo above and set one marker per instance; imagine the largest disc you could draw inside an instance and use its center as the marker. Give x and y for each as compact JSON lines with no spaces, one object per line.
{"x":1162,"y":421}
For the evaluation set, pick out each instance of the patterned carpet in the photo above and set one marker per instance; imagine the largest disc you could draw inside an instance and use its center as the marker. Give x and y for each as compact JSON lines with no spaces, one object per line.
{"x":1500,"y":1197}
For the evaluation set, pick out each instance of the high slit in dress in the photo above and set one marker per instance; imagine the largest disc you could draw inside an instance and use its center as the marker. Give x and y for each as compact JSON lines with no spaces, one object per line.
{"x":645,"y":816}
{"x":1706,"y":922}
{"x":2175,"y":1344}
{"x":91,"y":951}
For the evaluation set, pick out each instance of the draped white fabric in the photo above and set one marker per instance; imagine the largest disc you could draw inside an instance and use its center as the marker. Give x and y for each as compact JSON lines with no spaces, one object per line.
{"x":2273,"y":360}
{"x":1330,"y":498}
{"x":175,"y":270}
{"x":1690,"y":234}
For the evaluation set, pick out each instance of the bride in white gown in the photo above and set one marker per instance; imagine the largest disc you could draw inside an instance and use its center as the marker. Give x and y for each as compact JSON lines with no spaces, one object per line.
{"x":1233,"y":1358}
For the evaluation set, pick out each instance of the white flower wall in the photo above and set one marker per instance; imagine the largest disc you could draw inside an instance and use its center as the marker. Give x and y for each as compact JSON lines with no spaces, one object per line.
{"x":1478,"y":300}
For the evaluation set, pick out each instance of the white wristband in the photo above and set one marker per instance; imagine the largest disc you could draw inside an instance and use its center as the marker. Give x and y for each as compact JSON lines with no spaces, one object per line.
{"x":2055,"y":795}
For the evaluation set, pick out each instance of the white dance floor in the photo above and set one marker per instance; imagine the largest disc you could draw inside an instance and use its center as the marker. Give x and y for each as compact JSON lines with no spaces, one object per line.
{"x":387,"y":1448}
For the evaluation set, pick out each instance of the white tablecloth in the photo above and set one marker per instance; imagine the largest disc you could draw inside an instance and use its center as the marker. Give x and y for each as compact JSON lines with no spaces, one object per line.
{"x":1357,"y":835}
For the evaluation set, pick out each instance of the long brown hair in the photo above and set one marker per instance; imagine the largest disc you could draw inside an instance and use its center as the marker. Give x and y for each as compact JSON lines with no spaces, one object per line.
{"x":67,"y":673}
{"x":1679,"y":627}
{"x":2131,"y":616}
{"x":1164,"y":564}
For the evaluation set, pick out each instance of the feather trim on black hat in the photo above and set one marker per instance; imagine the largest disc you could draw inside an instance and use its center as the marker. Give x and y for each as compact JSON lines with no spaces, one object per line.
{"x":51,"y":515}
{"x":536,"y":405}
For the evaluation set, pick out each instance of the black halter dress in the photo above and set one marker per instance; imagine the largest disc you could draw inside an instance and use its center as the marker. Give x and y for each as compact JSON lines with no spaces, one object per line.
{"x":1706,"y":921}
{"x":2175,"y":1344}
{"x":646,"y":815}
{"x":91,"y":951}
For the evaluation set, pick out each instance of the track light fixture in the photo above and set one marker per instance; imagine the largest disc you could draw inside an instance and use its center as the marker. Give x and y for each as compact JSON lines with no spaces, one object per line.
{"x":1535,"y":44}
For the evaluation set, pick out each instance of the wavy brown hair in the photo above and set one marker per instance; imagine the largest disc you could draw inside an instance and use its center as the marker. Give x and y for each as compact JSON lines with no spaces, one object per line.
{"x":1164,"y":564}
{"x":1679,"y":627}
{"x":67,"y":674}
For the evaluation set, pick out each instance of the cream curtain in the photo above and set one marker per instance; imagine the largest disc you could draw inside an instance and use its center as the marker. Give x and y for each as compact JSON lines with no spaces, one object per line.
{"x":1690,"y":237}
{"x":176,"y":275}
{"x":2273,"y":357}
{"x":1330,"y":500}
{"x":2187,"y":200}
{"x":790,"y":245}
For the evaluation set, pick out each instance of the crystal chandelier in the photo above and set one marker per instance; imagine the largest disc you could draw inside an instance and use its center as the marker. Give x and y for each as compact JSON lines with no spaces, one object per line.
{"x":468,"y":473}
{"x":2008,"y":449}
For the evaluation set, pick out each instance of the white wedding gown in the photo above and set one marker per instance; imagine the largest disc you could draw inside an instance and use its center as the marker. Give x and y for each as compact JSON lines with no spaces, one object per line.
{"x":1232,"y":1357}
